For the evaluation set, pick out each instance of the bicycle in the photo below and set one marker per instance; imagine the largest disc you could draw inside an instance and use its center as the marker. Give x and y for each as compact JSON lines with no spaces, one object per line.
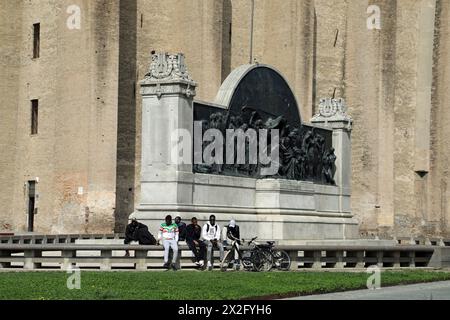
{"x":252,"y":259}
{"x":278,"y":258}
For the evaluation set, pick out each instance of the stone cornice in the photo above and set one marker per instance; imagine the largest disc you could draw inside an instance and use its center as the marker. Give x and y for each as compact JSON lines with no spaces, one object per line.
{"x":165,"y":88}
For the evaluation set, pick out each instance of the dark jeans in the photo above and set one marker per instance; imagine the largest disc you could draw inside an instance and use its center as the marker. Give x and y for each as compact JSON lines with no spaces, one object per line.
{"x":199,"y":250}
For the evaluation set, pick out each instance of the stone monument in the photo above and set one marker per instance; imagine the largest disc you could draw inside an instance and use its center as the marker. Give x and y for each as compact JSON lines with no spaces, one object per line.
{"x":307,"y":197}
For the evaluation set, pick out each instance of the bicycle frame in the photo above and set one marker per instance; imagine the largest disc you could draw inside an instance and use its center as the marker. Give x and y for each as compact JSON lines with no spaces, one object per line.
{"x":234,"y":248}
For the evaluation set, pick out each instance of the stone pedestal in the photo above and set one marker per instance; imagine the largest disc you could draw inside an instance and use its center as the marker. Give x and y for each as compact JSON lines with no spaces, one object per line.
{"x":272,"y":209}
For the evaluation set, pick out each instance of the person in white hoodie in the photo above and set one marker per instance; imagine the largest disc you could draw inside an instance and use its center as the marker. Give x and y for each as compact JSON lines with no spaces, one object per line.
{"x":211,"y":235}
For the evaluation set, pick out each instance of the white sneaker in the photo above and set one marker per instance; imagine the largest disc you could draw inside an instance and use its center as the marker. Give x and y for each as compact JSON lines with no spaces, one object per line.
{"x":209,"y":266}
{"x":201,"y":263}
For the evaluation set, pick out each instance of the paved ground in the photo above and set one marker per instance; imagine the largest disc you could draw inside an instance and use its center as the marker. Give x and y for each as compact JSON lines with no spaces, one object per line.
{"x":427,"y":291}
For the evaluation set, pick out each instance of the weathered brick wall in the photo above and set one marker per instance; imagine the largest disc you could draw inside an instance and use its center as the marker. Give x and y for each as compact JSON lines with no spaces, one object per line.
{"x":75,"y":80}
{"x":438,"y":184}
{"x":10,"y":18}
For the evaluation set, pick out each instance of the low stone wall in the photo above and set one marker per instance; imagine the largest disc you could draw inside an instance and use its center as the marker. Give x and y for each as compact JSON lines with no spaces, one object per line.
{"x":112,"y":257}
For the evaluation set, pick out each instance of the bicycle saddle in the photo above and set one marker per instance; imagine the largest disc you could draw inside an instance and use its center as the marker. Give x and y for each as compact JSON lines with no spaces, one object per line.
{"x":265,"y":245}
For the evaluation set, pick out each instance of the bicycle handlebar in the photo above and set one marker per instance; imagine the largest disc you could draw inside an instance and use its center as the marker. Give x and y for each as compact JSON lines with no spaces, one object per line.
{"x":250,"y":241}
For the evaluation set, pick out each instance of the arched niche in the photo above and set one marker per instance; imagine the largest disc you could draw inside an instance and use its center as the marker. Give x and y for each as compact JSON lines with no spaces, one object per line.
{"x":262,"y":88}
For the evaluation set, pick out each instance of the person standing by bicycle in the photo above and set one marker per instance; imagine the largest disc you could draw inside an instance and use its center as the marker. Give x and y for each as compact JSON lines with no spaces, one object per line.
{"x":232,"y":233}
{"x":211,"y":233}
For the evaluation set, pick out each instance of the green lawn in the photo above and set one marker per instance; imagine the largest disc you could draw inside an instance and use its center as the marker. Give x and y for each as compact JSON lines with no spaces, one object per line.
{"x":194,"y":285}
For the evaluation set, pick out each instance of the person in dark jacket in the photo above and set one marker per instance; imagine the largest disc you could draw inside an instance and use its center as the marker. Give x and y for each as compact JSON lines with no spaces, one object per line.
{"x":144,"y":237}
{"x":137,"y":231}
{"x":198,"y":248}
{"x":130,"y":231}
{"x":181,"y":228}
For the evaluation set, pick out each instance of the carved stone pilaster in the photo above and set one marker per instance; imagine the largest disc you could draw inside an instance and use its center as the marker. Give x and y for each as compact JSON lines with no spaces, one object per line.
{"x":167,"y":110}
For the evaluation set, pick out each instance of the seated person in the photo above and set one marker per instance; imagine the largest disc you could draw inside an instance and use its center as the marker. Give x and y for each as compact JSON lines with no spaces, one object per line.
{"x":181,"y":228}
{"x":232,"y":234}
{"x":197,"y":246}
{"x":137,"y":231}
{"x":211,"y":235}
{"x":168,"y":233}
{"x":182,"y":235}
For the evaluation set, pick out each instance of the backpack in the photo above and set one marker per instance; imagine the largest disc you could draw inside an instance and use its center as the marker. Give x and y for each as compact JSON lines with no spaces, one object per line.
{"x":145,"y":237}
{"x":207,"y":228}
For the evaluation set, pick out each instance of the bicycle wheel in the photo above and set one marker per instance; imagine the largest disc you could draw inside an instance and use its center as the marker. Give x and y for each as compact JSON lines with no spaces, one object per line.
{"x":227,"y":262}
{"x":268,"y":261}
{"x":282,"y":260}
{"x":261,"y":262}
